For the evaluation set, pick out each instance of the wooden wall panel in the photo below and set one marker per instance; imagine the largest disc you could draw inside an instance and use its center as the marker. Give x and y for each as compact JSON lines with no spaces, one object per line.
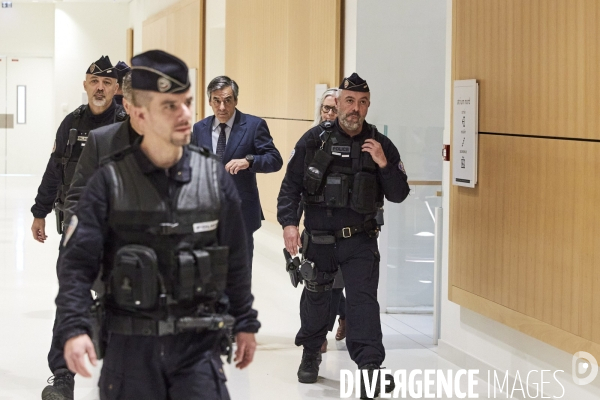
{"x":525,"y":243}
{"x":277,"y":50}
{"x":527,"y":237}
{"x":179,"y":30}
{"x":536,"y":62}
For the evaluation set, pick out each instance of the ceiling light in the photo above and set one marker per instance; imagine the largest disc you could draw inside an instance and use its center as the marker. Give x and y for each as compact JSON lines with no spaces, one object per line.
{"x":7,"y":4}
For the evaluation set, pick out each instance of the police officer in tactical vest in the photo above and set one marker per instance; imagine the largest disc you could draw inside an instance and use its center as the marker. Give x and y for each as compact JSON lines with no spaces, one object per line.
{"x":100,"y":85}
{"x":339,"y":173}
{"x":161,"y":223}
{"x":122,"y":70}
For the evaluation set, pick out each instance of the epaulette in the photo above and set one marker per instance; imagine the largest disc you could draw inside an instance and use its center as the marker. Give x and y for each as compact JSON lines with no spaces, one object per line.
{"x":121,"y":114}
{"x":78,"y":112}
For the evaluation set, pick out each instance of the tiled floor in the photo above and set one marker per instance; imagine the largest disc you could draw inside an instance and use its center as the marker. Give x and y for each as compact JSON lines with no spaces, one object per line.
{"x":28,"y":286}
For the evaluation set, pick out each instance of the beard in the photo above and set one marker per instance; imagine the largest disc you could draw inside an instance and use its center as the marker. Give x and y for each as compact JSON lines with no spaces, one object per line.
{"x":99,"y":102}
{"x":348,"y":125}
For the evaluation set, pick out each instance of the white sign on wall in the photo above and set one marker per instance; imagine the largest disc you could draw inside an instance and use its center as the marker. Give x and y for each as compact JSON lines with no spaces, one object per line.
{"x":465,"y":133}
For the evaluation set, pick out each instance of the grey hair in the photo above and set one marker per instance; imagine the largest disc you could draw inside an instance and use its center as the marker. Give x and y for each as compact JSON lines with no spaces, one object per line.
{"x":221,"y":82}
{"x":126,"y":87}
{"x":335,"y":92}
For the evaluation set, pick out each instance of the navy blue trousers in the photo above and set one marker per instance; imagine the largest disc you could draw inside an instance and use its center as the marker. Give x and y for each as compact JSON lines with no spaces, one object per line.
{"x":186,"y":366}
{"x":358,"y":257}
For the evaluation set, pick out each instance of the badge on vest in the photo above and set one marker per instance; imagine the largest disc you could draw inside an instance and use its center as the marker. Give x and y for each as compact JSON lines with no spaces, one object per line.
{"x":205,"y":226}
{"x":82,"y":138}
{"x":341,"y":151}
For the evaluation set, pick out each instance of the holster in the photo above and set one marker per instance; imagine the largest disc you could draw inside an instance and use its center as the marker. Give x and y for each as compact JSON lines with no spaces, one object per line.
{"x":60,"y":220}
{"x":97,"y":317}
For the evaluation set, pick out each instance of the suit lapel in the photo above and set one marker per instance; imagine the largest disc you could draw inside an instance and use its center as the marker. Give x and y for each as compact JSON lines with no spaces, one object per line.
{"x":121,"y":139}
{"x":235,"y":138}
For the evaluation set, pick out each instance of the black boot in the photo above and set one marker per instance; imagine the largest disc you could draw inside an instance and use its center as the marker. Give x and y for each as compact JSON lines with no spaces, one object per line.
{"x":371,"y":368}
{"x":309,"y":367}
{"x":62,"y":385}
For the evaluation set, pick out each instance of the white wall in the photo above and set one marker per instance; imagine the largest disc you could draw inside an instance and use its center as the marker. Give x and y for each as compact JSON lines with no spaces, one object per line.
{"x":83,"y":33}
{"x":215,"y":44}
{"x":472,"y":340}
{"x":27,"y":30}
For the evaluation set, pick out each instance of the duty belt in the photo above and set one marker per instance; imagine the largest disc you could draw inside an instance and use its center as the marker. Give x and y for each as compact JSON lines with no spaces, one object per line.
{"x":329,"y":237}
{"x":125,"y":325}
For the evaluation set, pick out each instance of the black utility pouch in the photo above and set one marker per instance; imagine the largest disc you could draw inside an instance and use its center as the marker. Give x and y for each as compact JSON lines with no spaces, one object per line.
{"x":186,"y":277}
{"x":335,"y":192}
{"x":314,"y":174}
{"x":219,"y":264}
{"x":364,"y":193}
{"x":134,"y":279}
{"x":204,"y":271}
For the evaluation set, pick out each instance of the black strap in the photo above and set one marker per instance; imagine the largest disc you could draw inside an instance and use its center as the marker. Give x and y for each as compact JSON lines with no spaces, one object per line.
{"x":128,"y":325}
{"x":349,"y":231}
{"x":313,"y":287}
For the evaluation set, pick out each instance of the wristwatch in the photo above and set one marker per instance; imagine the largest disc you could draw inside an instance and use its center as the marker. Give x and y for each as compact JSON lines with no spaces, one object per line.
{"x":250,"y":159}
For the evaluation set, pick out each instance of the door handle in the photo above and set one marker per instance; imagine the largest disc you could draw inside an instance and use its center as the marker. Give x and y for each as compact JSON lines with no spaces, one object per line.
{"x":7,"y":121}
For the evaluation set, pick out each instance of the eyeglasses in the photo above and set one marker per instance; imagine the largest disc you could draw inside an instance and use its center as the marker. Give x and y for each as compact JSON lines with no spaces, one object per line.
{"x":328,"y":109}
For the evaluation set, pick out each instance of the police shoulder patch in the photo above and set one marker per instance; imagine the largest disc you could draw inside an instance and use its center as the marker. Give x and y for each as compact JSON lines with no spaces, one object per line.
{"x":401,"y":167}
{"x":70,"y":229}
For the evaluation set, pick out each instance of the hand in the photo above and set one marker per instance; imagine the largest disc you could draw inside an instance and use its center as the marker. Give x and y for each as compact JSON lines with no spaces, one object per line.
{"x":291,"y":238}
{"x":38,"y":228}
{"x":246,"y":345}
{"x":373,"y":147}
{"x":75,"y":350}
{"x":234,"y":166}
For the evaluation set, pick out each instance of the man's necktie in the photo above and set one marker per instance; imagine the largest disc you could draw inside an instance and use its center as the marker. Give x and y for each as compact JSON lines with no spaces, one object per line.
{"x":222,"y":142}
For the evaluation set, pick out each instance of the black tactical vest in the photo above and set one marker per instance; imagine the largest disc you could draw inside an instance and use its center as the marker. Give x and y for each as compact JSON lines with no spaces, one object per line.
{"x":188,"y":267}
{"x":337,"y":174}
{"x":74,"y":147}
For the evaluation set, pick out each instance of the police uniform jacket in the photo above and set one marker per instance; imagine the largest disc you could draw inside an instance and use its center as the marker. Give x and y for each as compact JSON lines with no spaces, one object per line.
{"x":249,"y":135}
{"x":82,"y":247}
{"x":392,"y":181}
{"x":51,"y":180}
{"x":101,"y":143}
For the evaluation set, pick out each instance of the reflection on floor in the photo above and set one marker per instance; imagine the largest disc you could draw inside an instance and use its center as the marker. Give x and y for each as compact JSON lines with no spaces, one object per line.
{"x":28,"y":286}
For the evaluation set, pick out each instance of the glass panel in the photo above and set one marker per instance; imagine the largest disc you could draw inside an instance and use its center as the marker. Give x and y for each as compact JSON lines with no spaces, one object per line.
{"x":411,"y":224}
{"x":410,"y":249}
{"x":21,"y":109}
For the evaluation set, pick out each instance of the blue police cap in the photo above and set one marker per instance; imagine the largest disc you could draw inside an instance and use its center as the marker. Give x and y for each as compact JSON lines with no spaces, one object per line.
{"x":102,"y":67}
{"x":159,"y":71}
{"x":122,"y":69}
{"x":354,"y":83}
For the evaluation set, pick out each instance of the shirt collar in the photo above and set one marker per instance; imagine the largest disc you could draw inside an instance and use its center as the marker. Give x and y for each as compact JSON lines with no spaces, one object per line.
{"x":229,"y":122}
{"x":180,"y":172}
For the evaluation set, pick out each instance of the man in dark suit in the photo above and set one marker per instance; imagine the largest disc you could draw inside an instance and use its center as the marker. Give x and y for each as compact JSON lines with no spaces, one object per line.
{"x":244,"y":145}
